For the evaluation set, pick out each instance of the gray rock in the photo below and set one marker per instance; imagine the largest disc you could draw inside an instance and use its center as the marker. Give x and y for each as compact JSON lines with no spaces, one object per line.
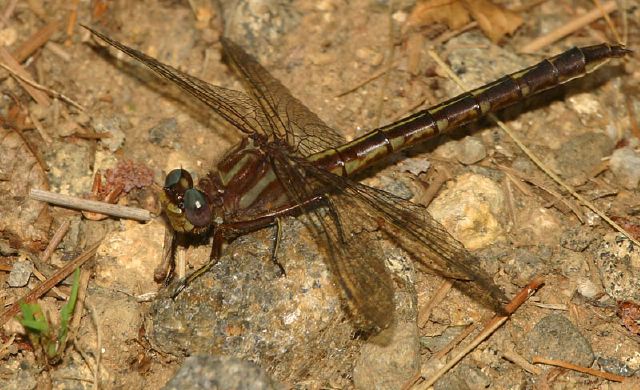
{"x":463,"y":377}
{"x":619,"y":265}
{"x":19,"y":377}
{"x":580,"y":155}
{"x":114,"y":125}
{"x":288,"y":325}
{"x":70,"y":163}
{"x":615,"y":366}
{"x":471,"y":150}
{"x":165,"y":132}
{"x":555,"y":337}
{"x":389,"y":365}
{"x":221,"y":372}
{"x":625,"y":165}
{"x":436,"y":343}
{"x":20,"y":273}
{"x":524,"y":265}
{"x":577,"y":239}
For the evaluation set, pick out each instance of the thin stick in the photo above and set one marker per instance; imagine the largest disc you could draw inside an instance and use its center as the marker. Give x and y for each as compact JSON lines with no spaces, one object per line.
{"x":14,"y":67}
{"x":425,"y":313}
{"x":35,"y":41}
{"x":536,"y":160}
{"x":369,"y":79}
{"x":90,"y":205}
{"x":41,"y":87}
{"x":443,"y":38}
{"x":569,"y":28}
{"x":606,"y":17}
{"x":85,"y":274}
{"x":7,"y":12}
{"x":43,"y":278}
{"x":574,"y":208}
{"x":41,"y":163}
{"x":522,"y":362}
{"x":457,"y":340}
{"x":508,"y":190}
{"x":431,"y":190}
{"x":586,"y":370}
{"x":36,"y":123}
{"x":55,"y":240}
{"x":45,"y":286}
{"x":488,"y":329}
{"x":71,"y":22}
{"x":98,"y":352}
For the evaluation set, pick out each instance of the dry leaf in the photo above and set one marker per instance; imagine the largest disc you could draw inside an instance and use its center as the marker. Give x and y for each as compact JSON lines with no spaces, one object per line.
{"x":451,"y":13}
{"x":494,"y":20}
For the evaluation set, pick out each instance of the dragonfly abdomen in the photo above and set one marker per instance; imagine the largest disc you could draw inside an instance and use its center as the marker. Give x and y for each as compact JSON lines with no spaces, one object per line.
{"x":465,"y":108}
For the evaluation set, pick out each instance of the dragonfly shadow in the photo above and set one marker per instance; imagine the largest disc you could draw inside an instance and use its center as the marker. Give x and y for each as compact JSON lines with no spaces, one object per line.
{"x":194,"y":108}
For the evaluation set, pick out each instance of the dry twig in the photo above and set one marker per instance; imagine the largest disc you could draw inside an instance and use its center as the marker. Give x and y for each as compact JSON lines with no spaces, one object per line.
{"x":55,"y":240}
{"x":45,"y":286}
{"x":14,"y":67}
{"x":90,"y":205}
{"x":586,"y":370}
{"x":39,"y":87}
{"x":566,"y":29}
{"x":487,"y":330}
{"x":425,"y":313}
{"x":34,"y":42}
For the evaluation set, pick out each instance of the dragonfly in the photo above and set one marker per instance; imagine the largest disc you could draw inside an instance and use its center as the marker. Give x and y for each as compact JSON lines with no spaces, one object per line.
{"x":290,"y":163}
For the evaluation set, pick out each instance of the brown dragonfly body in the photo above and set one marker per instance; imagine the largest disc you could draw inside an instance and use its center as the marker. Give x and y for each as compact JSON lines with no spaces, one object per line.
{"x":291,"y":163}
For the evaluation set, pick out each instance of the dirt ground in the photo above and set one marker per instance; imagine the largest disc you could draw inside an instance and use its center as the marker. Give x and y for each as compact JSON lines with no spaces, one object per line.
{"x":358,"y":65}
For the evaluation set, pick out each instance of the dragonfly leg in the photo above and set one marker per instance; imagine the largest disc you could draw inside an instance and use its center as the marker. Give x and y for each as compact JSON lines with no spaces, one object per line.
{"x":164,"y":271}
{"x":216,"y":251}
{"x":270,"y":217}
{"x":276,"y":246}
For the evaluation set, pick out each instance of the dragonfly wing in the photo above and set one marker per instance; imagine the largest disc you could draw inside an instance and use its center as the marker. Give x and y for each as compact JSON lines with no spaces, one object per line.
{"x":410,"y":226}
{"x":356,"y":265}
{"x":288,"y":118}
{"x":235,"y":107}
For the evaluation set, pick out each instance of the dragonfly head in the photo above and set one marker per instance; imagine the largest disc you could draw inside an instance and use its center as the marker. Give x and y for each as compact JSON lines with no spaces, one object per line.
{"x":188,"y":208}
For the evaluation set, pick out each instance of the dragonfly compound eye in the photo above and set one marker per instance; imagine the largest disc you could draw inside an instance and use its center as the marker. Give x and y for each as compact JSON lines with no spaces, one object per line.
{"x":178,"y":180}
{"x":176,"y":184}
{"x":196,"y":208}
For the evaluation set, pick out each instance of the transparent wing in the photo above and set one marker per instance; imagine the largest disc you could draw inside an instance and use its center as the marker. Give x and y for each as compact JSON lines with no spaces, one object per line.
{"x":235,"y":107}
{"x":355,"y":260}
{"x":288,"y":118}
{"x":356,"y":207}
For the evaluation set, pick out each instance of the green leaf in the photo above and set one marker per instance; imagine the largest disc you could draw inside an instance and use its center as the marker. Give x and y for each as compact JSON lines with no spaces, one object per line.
{"x":33,"y":318}
{"x":66,"y":312}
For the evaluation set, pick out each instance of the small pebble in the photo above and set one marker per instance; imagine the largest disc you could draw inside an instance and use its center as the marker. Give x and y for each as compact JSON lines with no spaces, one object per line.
{"x":391,"y":365}
{"x":625,"y":165}
{"x":587,"y":288}
{"x":471,"y":151}
{"x":555,"y":337}
{"x":20,"y":273}
{"x":578,"y":157}
{"x":464,"y":377}
{"x":619,"y":265}
{"x":164,"y":133}
{"x":615,"y":366}
{"x":221,"y":372}
{"x":113,"y":125}
{"x":436,"y":343}
{"x":8,"y":36}
{"x":577,"y":239}
{"x":471,"y":201}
